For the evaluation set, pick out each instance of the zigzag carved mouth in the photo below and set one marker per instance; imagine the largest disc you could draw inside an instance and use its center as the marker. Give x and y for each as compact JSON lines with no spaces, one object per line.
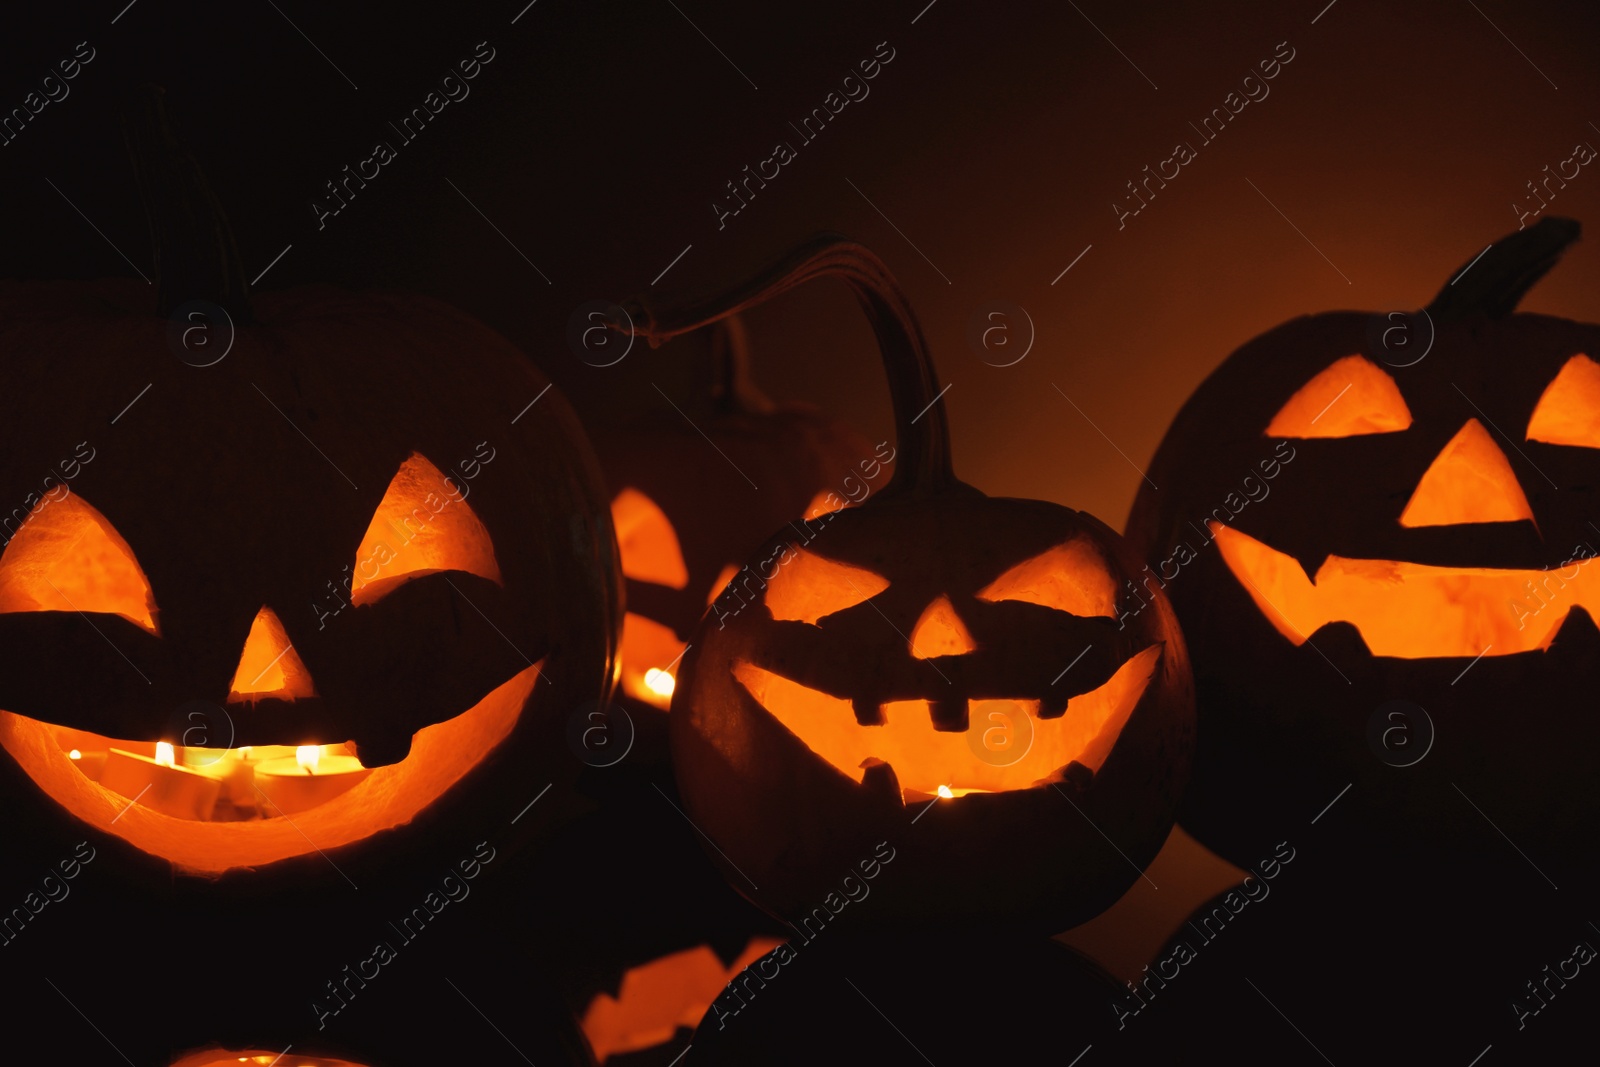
{"x":1411,"y":610}
{"x":1006,"y":746}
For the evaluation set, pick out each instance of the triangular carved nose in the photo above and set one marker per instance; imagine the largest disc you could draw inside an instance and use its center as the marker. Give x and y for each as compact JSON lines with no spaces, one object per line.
{"x":269,"y":666}
{"x":940,"y":632}
{"x":1470,"y":480}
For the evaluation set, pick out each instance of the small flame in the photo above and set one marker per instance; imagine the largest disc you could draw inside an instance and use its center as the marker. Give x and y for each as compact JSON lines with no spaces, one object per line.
{"x":165,"y":755}
{"x":308,"y":756}
{"x":74,"y":754}
{"x":659,"y":681}
{"x":944,"y":791}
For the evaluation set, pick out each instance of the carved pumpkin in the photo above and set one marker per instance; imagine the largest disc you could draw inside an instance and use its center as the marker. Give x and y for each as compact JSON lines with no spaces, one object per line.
{"x":932,"y":655}
{"x":1350,"y":533}
{"x":340,"y":538}
{"x":684,"y":517}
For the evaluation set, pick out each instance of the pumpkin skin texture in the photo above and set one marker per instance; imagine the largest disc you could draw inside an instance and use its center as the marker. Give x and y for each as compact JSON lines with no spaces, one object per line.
{"x":227,"y":507}
{"x":697,"y":518}
{"x":797,"y":1005}
{"x":1433,"y":493}
{"x":1448,"y":957}
{"x":889,"y":633}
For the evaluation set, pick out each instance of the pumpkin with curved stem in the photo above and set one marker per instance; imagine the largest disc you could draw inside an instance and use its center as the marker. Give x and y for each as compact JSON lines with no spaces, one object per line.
{"x":684,"y":516}
{"x":310,"y":542}
{"x":931,"y":643}
{"x":1393,"y":529}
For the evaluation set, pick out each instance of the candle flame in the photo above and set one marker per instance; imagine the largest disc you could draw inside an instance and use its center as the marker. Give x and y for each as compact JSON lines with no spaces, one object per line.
{"x":308,"y":756}
{"x":944,"y":791}
{"x":660,"y":681}
{"x":165,"y":755}
{"x":74,"y":754}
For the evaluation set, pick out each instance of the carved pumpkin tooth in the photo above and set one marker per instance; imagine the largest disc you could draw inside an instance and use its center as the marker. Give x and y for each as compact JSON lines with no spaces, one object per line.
{"x":381,"y":750}
{"x":1076,"y":776}
{"x":949,"y":714}
{"x":1053,"y":704}
{"x":868,"y":711}
{"x":878,"y":778}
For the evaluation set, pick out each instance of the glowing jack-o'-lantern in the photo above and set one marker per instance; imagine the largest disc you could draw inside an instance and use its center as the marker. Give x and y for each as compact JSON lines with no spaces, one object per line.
{"x":933,"y":664}
{"x":311,"y":543}
{"x":1392,"y":523}
{"x":684,"y":516}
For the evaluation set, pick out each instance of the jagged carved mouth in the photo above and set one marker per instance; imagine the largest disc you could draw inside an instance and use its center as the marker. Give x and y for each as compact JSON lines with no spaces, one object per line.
{"x":1411,"y":610}
{"x":175,"y":819}
{"x":1007,"y":745}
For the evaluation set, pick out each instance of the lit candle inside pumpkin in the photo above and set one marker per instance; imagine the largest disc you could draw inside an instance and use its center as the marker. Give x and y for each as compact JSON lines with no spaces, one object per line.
{"x":310,"y":777}
{"x":233,"y":768}
{"x":660,"y":682}
{"x":910,"y":796}
{"x":159,"y":783}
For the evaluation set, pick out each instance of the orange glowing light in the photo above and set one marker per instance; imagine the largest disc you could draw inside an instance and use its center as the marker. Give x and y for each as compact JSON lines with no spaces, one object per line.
{"x":940,"y":632}
{"x":1070,"y":577}
{"x":647,"y":542}
{"x":926,"y":760}
{"x":166,"y":756}
{"x":658,"y":998}
{"x":66,"y":557}
{"x":441,"y":755}
{"x":1568,"y":413}
{"x":1354,"y":396}
{"x":269,"y":665}
{"x":308,"y":757}
{"x":648,"y":647}
{"x":809,"y":586}
{"x":821,"y":505}
{"x":1470,"y":480}
{"x":724,"y":576}
{"x":1412,"y":610}
{"x":421,"y":526}
{"x":660,"y":682}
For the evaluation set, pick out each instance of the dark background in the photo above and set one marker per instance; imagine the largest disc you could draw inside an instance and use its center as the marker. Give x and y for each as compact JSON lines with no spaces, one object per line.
{"x":1388,"y":153}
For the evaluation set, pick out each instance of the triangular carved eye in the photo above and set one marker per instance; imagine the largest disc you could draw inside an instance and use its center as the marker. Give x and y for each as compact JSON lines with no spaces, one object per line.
{"x":807,"y":586}
{"x":422,"y":526}
{"x":1071,"y":577}
{"x":1569,"y":411}
{"x":1353,"y":396}
{"x":647,"y":542}
{"x":67,"y":557}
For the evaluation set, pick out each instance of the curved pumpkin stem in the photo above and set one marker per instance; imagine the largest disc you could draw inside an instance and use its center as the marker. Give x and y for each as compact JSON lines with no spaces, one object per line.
{"x":1495,"y":282}
{"x":921,"y":429}
{"x":195,"y":255}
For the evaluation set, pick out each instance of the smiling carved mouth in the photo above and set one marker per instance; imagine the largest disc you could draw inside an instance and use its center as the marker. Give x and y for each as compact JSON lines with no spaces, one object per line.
{"x":1411,"y":610}
{"x":384,"y":797}
{"x":1006,"y":745}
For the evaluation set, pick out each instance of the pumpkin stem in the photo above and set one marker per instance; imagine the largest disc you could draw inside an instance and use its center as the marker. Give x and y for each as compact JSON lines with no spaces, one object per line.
{"x":195,"y":255}
{"x":1494,"y":283}
{"x":921,"y":429}
{"x":732,"y":388}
